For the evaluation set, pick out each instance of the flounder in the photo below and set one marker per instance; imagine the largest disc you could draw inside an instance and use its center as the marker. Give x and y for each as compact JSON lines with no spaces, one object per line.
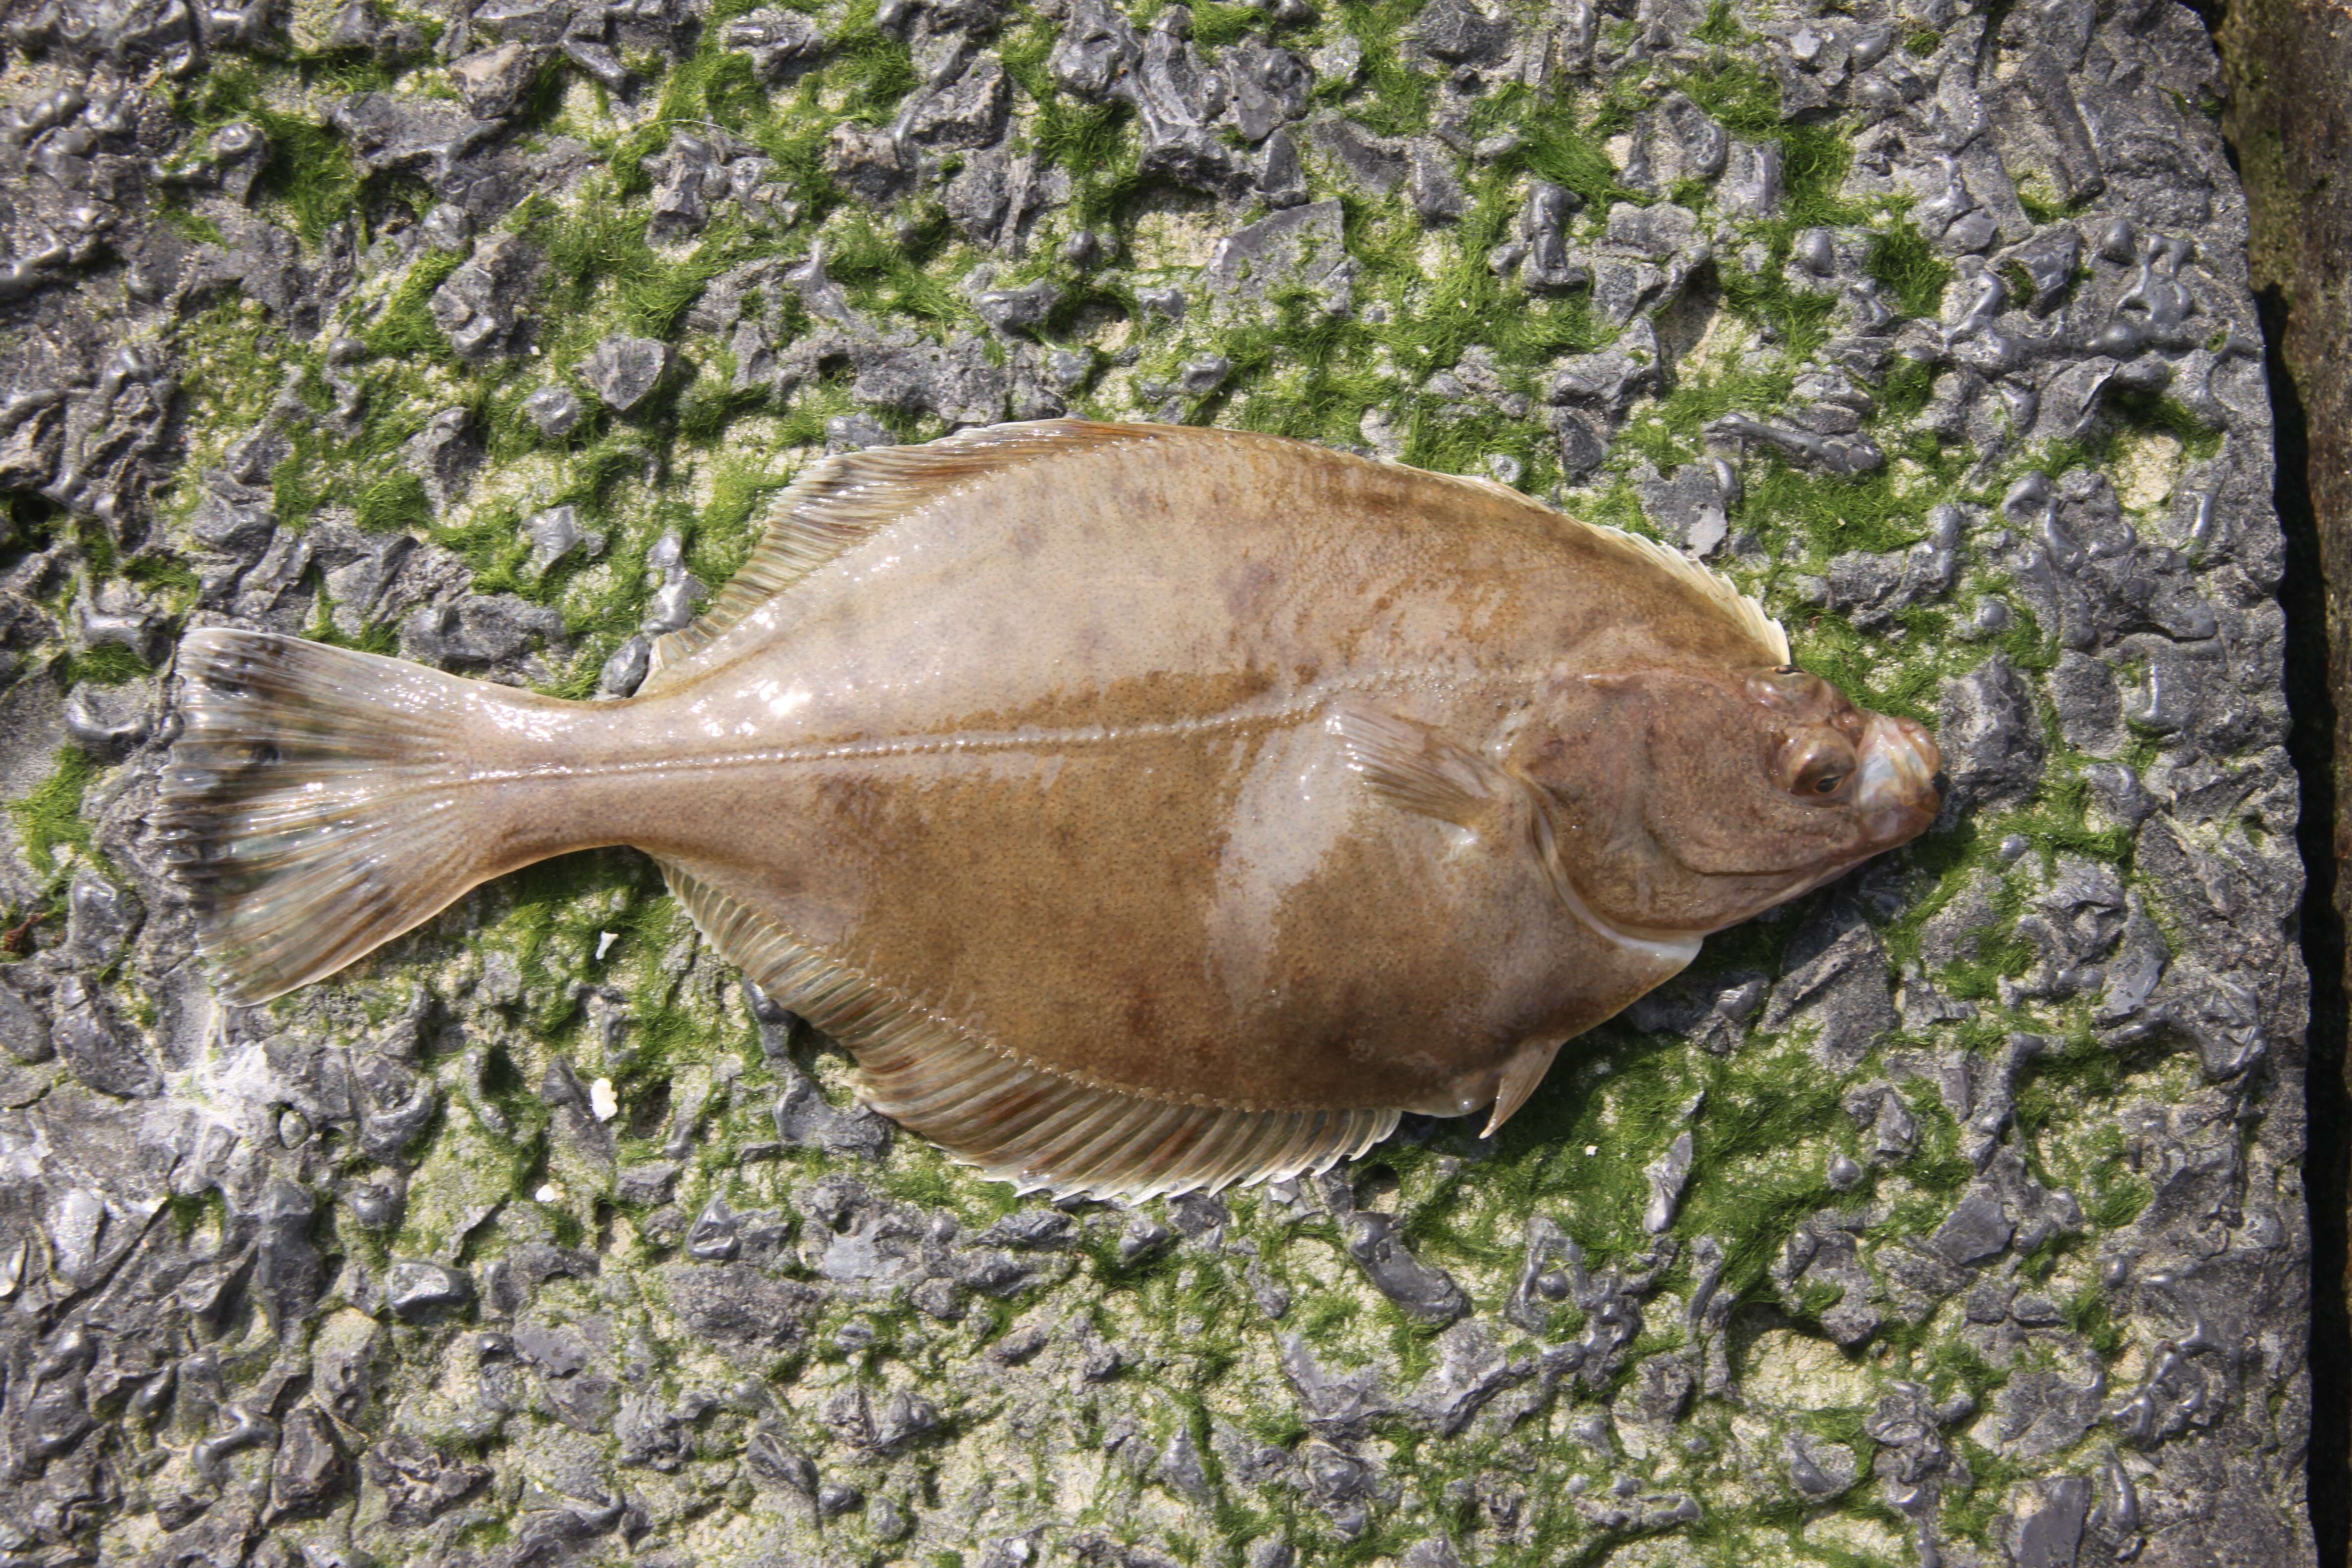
{"x":1146,"y":808}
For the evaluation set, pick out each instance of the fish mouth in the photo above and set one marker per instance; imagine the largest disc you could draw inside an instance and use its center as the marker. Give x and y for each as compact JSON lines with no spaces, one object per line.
{"x":1896,"y":787}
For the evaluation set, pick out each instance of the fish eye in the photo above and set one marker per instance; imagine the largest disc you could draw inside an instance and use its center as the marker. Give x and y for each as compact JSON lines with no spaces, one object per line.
{"x":1787,"y":690}
{"x":1815,"y":764}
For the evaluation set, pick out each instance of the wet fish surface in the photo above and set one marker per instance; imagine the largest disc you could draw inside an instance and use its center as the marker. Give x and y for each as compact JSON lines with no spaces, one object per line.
{"x":1146,"y":807}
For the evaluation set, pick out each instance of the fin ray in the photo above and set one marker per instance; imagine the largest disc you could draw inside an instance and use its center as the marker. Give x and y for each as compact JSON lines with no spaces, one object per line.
{"x":1688,"y":570}
{"x":1749,"y":616}
{"x":843,"y":498}
{"x":306,"y":807}
{"x":1014,"y":1120}
{"x":1421,"y":769}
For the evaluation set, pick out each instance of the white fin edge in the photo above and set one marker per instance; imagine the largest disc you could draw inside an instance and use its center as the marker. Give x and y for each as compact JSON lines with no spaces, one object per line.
{"x":1686,"y":568}
{"x":1683,"y":568}
{"x":1689,"y":570}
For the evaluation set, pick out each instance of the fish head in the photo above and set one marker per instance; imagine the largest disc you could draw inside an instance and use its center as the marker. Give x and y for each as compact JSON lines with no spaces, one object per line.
{"x":1688,"y":802}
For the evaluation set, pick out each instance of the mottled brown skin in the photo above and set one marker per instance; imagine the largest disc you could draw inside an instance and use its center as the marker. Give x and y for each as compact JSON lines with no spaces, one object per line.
{"x":1070,"y":755}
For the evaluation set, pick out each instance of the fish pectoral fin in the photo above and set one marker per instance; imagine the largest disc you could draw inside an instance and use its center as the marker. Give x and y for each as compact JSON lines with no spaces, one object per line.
{"x":1419,"y":768}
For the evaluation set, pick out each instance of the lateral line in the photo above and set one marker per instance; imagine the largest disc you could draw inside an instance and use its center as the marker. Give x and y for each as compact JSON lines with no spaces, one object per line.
{"x":985,"y":742}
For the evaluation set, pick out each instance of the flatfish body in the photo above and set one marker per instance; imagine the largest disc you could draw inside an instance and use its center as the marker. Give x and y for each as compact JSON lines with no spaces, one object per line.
{"x":1146,"y":807}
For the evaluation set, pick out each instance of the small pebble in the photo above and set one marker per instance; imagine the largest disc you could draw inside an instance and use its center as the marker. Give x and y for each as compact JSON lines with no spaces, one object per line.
{"x":555,"y":410}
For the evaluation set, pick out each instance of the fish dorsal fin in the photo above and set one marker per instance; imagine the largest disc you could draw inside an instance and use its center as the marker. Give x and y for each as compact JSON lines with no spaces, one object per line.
{"x":1492,"y":487}
{"x":1746,"y":612}
{"x":1016,"y":1121}
{"x":1688,"y":570}
{"x":847,"y":498}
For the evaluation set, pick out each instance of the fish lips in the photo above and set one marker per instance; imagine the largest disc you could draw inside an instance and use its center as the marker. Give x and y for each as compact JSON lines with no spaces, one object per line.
{"x":1895,"y":788}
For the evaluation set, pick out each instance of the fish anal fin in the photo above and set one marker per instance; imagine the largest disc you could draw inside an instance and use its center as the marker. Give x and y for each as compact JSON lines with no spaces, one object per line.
{"x":1419,"y":768}
{"x":1014,"y":1120}
{"x":840,"y":501}
{"x":1043,"y":1131}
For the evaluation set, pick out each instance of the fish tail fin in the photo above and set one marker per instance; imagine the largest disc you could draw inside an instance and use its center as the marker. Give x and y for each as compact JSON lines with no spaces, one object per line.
{"x":308,"y":805}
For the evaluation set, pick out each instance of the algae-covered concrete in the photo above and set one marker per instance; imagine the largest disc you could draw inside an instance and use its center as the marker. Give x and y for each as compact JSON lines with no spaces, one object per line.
{"x":1952,"y":1216}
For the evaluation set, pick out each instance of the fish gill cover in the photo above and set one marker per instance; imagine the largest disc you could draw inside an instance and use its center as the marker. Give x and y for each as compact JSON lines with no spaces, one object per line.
{"x":1949,"y":1215}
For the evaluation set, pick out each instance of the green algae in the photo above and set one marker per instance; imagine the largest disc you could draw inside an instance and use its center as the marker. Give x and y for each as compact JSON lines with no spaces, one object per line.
{"x":307,"y":170}
{"x":403,"y":328}
{"x":109,"y":664}
{"x":49,"y":816}
{"x":1394,"y":100}
{"x":1913,"y":271}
